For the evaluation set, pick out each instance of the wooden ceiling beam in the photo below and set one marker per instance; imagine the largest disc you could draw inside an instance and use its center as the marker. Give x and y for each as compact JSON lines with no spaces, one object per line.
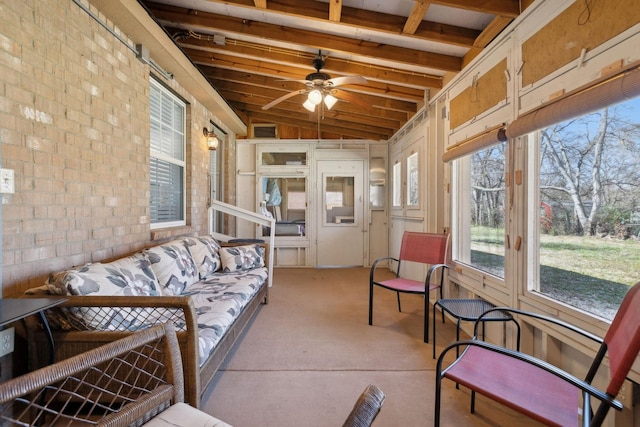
{"x":318,"y":40}
{"x":280,"y":71}
{"x":390,"y":118}
{"x":415,"y":17}
{"x":307,"y":121}
{"x":233,"y":92}
{"x":240,"y":101}
{"x":367,"y":20}
{"x":383,"y":108}
{"x":509,"y":8}
{"x":368,"y":94}
{"x":494,"y":28}
{"x":304,"y":59}
{"x":335,"y":10}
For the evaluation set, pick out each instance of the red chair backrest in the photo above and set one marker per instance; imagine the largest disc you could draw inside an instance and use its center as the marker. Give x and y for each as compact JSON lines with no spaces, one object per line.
{"x":428,"y":248}
{"x":623,"y":339}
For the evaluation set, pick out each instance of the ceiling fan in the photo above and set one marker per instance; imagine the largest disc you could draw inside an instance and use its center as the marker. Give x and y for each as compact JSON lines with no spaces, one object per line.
{"x":322,"y":89}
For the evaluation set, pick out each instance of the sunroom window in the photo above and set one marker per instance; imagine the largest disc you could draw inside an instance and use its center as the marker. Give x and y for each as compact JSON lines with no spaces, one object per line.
{"x":584,"y":223}
{"x":481,"y":210}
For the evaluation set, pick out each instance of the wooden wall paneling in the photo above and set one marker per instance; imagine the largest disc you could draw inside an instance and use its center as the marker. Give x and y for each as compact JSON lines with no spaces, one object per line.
{"x":483,"y":93}
{"x":580,"y":26}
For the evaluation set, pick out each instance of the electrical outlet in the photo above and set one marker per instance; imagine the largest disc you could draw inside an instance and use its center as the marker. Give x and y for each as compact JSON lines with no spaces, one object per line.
{"x":7,"y":341}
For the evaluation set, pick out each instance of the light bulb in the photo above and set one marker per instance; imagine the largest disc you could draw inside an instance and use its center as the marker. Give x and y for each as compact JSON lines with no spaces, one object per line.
{"x":213,"y":142}
{"x":309,"y":106}
{"x":315,"y":97}
{"x":330,"y":101}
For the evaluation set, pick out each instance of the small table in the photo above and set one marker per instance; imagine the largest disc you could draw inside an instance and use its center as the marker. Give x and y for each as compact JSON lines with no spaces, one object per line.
{"x":14,"y":309}
{"x":469,"y":310}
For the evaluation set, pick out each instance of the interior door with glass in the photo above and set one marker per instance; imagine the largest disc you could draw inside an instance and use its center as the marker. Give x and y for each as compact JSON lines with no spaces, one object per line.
{"x":340,"y":235}
{"x":285,"y":200}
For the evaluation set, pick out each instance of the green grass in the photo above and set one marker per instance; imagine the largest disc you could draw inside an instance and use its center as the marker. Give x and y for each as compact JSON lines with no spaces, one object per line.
{"x":591,"y":273}
{"x":601,"y":258}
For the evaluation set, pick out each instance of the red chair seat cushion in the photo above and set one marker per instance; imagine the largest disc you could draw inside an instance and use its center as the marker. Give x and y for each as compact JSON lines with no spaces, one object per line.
{"x":406,"y":285}
{"x":518,"y":385}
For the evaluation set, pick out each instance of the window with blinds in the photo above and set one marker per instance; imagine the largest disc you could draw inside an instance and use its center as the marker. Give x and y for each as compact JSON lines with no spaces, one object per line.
{"x":167,"y":173}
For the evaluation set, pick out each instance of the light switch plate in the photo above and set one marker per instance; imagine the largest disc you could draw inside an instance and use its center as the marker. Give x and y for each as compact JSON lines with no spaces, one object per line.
{"x":7,"y":181}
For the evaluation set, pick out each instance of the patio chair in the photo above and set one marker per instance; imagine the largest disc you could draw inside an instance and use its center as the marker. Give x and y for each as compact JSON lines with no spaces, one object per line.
{"x":538,"y":389}
{"x":426,"y":248}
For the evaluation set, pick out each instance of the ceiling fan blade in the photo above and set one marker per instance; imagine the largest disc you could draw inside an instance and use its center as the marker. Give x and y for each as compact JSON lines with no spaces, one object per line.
{"x":283,"y":98}
{"x":305,"y":82}
{"x":346,"y":80}
{"x":350,"y":97}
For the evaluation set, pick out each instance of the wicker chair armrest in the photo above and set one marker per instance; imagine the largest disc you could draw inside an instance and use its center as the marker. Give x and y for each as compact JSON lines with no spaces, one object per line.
{"x":124,"y":382}
{"x":152,"y":310}
{"x":127,"y":301}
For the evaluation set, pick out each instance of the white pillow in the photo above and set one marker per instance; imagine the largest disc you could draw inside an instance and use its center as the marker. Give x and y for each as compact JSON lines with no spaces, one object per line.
{"x":173,"y":265}
{"x":241,"y":258}
{"x":205,"y":251}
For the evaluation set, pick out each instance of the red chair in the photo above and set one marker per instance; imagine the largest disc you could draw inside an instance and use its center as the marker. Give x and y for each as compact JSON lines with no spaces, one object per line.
{"x":538,"y":389}
{"x":426,"y":248}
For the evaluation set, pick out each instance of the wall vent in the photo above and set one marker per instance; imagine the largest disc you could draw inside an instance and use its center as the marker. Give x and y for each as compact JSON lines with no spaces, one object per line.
{"x":264,"y":131}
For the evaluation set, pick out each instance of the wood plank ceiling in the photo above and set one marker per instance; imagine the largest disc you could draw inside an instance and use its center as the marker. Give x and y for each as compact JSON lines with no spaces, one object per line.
{"x":254,"y":51}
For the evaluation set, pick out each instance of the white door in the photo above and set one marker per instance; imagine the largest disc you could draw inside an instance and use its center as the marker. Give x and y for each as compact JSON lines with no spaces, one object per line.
{"x":340,"y":229}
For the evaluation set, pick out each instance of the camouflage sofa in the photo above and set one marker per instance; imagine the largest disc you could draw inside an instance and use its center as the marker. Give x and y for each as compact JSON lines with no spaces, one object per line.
{"x":208,"y":291}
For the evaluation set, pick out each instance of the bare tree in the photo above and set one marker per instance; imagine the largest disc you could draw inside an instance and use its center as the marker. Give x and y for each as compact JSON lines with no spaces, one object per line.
{"x":591,"y":160}
{"x":488,"y":186}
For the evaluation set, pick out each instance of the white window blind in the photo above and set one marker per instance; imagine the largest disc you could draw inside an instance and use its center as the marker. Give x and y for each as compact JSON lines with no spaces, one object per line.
{"x":167,"y":165}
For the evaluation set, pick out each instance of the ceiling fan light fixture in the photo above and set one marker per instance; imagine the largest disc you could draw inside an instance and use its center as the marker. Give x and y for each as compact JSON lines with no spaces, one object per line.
{"x":330,"y":101}
{"x":309,"y":106}
{"x":315,"y":97}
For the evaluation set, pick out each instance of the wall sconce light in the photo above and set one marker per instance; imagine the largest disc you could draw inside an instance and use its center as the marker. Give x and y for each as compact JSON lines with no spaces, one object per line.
{"x":212,"y":139}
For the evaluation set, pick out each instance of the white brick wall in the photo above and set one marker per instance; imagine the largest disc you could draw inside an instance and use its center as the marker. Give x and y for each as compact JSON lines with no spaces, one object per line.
{"x":74,"y":123}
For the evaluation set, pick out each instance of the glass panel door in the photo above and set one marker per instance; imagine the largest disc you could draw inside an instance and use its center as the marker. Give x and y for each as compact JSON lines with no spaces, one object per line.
{"x":340,"y":229}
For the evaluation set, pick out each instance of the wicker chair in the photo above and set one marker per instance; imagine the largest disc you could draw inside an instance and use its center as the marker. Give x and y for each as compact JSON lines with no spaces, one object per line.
{"x":366,"y":408}
{"x":126,"y":382}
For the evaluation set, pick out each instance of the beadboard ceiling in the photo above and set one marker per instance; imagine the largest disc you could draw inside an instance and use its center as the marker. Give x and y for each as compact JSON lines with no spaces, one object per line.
{"x":253,"y":51}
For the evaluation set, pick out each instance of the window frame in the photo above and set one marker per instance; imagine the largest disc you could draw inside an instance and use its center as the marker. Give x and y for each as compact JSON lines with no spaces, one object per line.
{"x":476,"y":278}
{"x":532,"y":287}
{"x":154,"y":154}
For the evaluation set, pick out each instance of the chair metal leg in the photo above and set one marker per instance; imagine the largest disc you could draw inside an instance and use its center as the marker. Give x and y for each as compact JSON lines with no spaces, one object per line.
{"x":426,"y":318}
{"x":399,"y":308}
{"x":370,"y":303}
{"x":434,"y":328}
{"x":458,"y":348}
{"x":436,"y":412}
{"x":473,"y":401}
